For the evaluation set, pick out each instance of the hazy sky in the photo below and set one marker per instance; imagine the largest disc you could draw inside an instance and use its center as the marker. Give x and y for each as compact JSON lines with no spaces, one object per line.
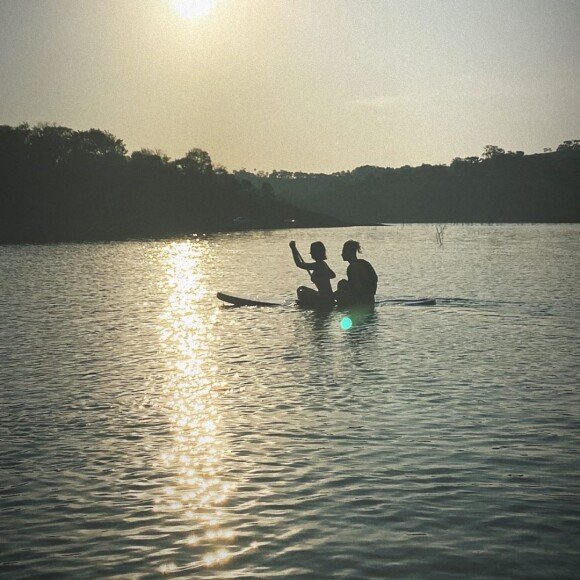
{"x":310,"y":85}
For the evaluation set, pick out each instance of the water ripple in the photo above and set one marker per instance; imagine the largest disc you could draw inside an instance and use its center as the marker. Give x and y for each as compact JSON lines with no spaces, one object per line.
{"x":148,"y":432}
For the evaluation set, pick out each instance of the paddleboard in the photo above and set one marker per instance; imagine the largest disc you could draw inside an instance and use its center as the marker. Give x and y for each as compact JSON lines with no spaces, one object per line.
{"x":409,"y":301}
{"x":241,"y":301}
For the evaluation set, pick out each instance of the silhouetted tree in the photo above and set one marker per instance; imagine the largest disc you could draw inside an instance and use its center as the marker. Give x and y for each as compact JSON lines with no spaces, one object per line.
{"x":149,"y":158}
{"x":570,"y":146}
{"x":196,"y":161}
{"x":50,"y":143}
{"x":99,"y":143}
{"x":491,"y":151}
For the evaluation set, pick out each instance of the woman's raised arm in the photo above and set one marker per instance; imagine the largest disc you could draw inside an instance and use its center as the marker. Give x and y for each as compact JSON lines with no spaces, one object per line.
{"x":298,"y":258}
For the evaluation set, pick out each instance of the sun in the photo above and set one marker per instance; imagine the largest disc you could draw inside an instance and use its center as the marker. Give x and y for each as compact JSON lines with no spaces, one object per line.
{"x":193,"y":9}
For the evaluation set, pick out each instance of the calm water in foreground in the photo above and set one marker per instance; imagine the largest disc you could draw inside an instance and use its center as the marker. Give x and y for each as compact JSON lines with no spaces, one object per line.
{"x":146,"y":430}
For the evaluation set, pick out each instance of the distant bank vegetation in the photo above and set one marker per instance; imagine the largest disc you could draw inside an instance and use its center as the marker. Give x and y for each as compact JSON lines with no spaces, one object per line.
{"x":500,"y":186}
{"x":57,"y":184}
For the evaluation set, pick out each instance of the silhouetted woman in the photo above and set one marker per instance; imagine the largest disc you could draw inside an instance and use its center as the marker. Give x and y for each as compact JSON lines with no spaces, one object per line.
{"x":361,"y":285}
{"x":320,"y":274}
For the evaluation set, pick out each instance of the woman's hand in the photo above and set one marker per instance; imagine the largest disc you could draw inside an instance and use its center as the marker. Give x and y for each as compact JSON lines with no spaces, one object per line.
{"x":292,"y":244}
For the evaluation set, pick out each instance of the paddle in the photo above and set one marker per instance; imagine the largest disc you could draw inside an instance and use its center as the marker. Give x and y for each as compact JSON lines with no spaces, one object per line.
{"x":298,"y":256}
{"x":302,"y":260}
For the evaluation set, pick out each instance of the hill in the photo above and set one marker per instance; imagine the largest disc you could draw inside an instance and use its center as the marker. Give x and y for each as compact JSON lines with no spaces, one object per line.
{"x":58,"y":184}
{"x":497,"y":187}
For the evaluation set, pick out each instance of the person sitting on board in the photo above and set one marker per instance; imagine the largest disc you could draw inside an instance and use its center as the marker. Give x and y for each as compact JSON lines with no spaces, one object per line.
{"x":320,"y":274}
{"x":361,"y":285}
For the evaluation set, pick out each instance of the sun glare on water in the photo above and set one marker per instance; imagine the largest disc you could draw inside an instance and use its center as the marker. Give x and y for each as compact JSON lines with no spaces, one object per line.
{"x":193,"y":9}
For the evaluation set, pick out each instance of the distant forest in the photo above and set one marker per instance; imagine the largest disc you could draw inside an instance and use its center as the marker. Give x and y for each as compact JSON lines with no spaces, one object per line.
{"x":57,"y":184}
{"x":500,"y":186}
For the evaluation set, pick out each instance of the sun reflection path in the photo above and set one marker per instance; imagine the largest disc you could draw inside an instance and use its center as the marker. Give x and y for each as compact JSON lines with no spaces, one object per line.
{"x":191,"y":398}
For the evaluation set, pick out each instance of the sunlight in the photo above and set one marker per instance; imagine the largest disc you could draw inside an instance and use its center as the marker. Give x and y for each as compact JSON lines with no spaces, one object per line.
{"x":197,"y":449}
{"x":193,"y":9}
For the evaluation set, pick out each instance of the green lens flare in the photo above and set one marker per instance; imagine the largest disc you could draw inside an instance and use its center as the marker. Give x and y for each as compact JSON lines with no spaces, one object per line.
{"x":346,"y":323}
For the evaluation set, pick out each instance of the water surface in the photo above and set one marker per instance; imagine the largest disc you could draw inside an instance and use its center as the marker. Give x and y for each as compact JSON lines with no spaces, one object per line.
{"x":148,"y":430}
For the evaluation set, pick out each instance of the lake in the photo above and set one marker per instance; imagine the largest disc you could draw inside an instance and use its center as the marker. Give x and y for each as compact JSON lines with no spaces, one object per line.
{"x":147,"y":430}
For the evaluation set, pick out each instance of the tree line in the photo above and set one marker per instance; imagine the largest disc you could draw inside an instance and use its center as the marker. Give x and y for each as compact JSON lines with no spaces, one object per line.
{"x":59,"y":184}
{"x":498,"y":186}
